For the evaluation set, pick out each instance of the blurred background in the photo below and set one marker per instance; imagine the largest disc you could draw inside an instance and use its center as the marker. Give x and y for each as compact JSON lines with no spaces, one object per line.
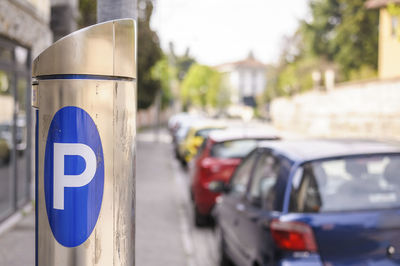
{"x":309,"y":68}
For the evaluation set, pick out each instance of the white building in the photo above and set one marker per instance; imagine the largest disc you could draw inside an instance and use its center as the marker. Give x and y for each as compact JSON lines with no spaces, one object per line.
{"x":246,"y":80}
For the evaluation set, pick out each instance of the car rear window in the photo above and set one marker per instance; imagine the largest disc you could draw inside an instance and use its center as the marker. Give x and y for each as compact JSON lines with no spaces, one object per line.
{"x":233,"y":148}
{"x":356,"y":183}
{"x":204,"y":132}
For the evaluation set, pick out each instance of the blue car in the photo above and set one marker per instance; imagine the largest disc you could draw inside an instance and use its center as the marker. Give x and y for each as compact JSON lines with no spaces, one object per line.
{"x":314,"y":202}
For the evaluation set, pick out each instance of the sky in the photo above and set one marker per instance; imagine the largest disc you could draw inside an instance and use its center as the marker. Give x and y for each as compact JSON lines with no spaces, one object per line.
{"x":222,"y":31}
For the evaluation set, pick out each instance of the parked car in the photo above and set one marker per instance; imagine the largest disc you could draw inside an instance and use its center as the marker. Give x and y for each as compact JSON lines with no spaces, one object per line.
{"x":311,"y":203}
{"x":195,"y":137}
{"x":217,"y":159}
{"x":174,"y":120}
{"x":181,"y":129}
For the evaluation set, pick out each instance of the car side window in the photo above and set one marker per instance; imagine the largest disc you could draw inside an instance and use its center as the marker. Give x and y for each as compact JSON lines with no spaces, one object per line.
{"x":202,"y":147}
{"x":262,"y":188}
{"x":241,"y":177}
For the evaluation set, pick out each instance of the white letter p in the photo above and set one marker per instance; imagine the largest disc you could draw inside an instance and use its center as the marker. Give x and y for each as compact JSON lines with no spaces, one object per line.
{"x":61,"y":180}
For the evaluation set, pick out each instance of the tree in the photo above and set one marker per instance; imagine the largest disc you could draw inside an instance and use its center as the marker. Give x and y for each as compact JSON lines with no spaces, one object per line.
{"x":340,"y":34}
{"x":149,"y":52}
{"x":182,"y":63}
{"x":88,"y":15}
{"x":167,"y":75}
{"x":356,"y":40}
{"x":344,"y":32}
{"x":201,"y":87}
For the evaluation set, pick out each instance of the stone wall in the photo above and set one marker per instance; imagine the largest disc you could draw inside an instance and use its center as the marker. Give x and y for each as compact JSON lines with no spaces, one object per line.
{"x":367,"y":109}
{"x":26,"y":24}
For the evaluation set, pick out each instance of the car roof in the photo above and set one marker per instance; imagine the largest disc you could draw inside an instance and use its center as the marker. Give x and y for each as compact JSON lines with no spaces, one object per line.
{"x":203,"y":124}
{"x":243,"y":133}
{"x":314,"y":149}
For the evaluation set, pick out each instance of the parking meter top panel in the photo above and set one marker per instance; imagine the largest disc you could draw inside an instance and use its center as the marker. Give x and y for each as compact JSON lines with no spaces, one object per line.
{"x":106,"y":49}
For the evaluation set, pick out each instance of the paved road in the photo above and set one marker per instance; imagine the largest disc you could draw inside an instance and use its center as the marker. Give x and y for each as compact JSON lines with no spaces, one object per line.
{"x":17,"y":246}
{"x":165,"y":232}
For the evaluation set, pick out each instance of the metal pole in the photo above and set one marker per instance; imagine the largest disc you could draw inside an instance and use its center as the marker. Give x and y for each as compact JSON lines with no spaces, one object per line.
{"x":110,"y":10}
{"x":84,"y":92}
{"x":116,"y":9}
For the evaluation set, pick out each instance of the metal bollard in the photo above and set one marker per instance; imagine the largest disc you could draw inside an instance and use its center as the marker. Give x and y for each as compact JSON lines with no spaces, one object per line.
{"x":84,"y":92}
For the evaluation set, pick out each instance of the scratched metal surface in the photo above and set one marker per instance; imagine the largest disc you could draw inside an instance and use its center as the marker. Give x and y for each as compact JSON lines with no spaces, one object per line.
{"x":112,"y":107}
{"x":104,"y":49}
{"x":109,"y":50}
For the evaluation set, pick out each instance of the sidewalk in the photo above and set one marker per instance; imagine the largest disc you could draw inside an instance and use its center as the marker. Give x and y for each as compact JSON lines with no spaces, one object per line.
{"x":158,"y":225}
{"x":158,"y":229}
{"x":17,"y":245}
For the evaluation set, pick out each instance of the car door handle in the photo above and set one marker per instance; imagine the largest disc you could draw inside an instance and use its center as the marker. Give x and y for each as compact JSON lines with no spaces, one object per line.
{"x":240,"y":207}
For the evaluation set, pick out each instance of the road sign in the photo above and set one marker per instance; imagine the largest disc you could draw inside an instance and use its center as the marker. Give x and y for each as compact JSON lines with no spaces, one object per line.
{"x":73,"y":176}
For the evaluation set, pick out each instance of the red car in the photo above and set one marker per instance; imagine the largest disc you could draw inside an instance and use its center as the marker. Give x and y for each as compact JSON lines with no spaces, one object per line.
{"x":217,"y":159}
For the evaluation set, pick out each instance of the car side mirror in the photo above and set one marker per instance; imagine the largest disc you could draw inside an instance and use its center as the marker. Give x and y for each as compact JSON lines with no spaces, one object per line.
{"x":218,"y":186}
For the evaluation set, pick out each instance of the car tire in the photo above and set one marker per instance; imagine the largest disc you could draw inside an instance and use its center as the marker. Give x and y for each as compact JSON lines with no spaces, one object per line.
{"x":183,"y":163}
{"x":191,"y":195}
{"x":199,"y":219}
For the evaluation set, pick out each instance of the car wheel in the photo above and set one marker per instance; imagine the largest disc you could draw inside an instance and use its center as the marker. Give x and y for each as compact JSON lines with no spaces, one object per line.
{"x":191,"y":194}
{"x":199,"y":219}
{"x":183,"y":163}
{"x":223,"y":258}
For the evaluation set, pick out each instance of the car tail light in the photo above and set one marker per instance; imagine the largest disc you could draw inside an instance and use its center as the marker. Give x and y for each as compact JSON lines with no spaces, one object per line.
{"x":293,"y":236}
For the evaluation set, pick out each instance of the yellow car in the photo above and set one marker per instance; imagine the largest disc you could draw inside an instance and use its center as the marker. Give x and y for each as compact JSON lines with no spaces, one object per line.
{"x":195,"y":137}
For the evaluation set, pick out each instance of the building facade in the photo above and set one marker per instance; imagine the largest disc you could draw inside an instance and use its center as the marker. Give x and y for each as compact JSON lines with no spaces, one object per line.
{"x":389,"y":39}
{"x":24,"y":33}
{"x":246,"y":80}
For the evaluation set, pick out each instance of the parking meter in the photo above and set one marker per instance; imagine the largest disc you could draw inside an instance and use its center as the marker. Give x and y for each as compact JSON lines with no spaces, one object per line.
{"x":84,"y":93}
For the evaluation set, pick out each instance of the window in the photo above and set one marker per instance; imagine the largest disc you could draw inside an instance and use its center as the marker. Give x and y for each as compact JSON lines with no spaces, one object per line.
{"x":262,"y":189}
{"x":242,"y":175}
{"x":233,"y":148}
{"x":201,"y":149}
{"x":359,"y":183}
{"x":395,"y":24}
{"x":254,"y":82}
{"x":15,"y":91}
{"x":205,"y":132}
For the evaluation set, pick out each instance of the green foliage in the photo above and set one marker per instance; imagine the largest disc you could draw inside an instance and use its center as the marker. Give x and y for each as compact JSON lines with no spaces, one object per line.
{"x":88,"y":13}
{"x":394,"y":10}
{"x":365,"y":72}
{"x":356,"y":38}
{"x":296,"y":77}
{"x":202,"y":87}
{"x":149,"y":52}
{"x":166,"y":74}
{"x":181,"y":62}
{"x":318,"y":33}
{"x":341,"y":34}
{"x":344,"y":32}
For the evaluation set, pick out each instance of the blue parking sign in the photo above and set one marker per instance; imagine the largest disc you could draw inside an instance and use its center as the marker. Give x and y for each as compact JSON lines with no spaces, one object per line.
{"x":73,"y":176}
